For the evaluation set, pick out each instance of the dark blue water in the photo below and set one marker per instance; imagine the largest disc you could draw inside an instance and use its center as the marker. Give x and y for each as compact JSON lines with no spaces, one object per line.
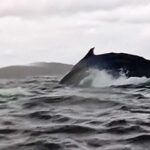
{"x":39,"y":114}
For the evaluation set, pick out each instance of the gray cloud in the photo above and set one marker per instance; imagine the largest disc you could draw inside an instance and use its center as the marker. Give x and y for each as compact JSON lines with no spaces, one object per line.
{"x":28,"y":8}
{"x":46,"y":30}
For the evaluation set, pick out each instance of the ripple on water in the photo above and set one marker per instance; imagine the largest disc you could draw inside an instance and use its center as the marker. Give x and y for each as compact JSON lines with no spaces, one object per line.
{"x":125,"y":130}
{"x":42,"y":115}
{"x":63,"y":129}
{"x":36,"y":145}
{"x":117,"y":122}
{"x":139,"y":139}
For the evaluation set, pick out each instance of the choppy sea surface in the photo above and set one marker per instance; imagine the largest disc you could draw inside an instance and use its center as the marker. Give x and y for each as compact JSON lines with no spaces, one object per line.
{"x":37,"y":113}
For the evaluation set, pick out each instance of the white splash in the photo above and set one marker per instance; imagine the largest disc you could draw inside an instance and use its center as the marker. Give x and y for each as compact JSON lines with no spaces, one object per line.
{"x":13,"y":91}
{"x":97,"y":78}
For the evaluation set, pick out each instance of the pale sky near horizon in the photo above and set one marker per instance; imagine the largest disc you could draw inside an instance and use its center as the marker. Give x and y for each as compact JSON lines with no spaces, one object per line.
{"x":64,"y":30}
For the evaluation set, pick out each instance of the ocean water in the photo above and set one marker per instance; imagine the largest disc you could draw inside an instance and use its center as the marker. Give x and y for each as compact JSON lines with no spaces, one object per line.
{"x":36,"y":113}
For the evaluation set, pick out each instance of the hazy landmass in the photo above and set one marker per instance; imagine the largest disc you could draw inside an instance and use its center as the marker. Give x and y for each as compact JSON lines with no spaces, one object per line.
{"x":35,"y":69}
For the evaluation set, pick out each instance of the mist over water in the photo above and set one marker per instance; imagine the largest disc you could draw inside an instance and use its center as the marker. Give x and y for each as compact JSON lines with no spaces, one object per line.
{"x":37,"y":113}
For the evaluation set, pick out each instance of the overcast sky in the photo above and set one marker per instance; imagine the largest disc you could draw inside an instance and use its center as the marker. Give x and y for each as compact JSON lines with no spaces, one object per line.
{"x":64,"y":30}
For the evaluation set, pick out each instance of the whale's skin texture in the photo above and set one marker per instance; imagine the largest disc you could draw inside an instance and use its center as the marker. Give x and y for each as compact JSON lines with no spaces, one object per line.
{"x":113,"y":63}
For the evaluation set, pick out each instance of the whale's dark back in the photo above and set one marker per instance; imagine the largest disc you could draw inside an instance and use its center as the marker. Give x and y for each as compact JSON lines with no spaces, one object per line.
{"x":114,"y":63}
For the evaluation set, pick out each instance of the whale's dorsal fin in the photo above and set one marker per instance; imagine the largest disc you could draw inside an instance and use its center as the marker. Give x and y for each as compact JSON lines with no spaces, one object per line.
{"x":90,"y":53}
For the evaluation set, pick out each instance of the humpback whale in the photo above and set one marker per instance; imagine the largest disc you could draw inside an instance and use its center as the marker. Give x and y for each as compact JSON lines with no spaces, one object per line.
{"x":112,"y":63}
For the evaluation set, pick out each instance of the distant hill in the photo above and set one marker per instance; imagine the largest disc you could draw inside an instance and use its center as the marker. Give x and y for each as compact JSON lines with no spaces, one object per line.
{"x":35,"y":69}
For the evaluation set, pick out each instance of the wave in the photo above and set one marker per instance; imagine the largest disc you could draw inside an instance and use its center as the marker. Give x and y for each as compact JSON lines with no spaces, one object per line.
{"x":13,"y":91}
{"x":97,"y":78}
